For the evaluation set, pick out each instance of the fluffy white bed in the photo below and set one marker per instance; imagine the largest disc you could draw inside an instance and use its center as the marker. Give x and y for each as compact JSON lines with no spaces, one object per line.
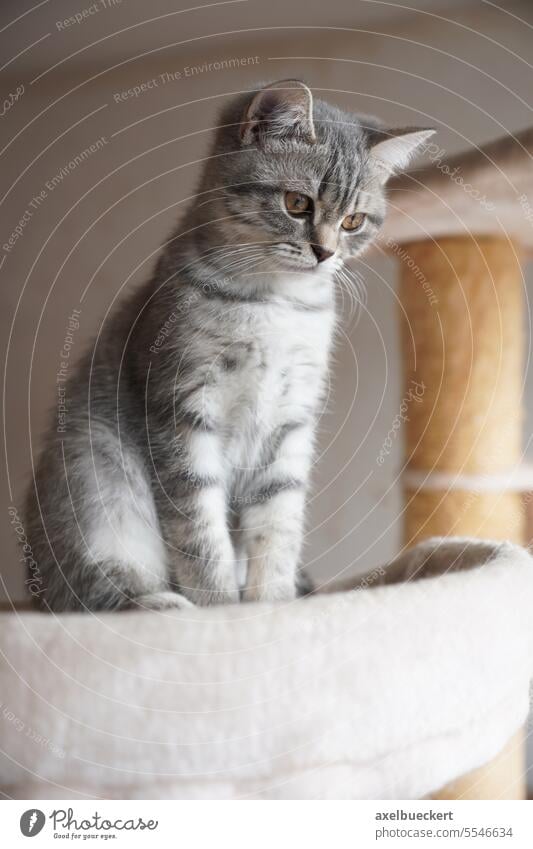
{"x":385,"y":692}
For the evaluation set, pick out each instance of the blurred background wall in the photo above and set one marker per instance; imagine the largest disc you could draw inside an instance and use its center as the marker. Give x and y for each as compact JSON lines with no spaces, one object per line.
{"x":98,"y":172}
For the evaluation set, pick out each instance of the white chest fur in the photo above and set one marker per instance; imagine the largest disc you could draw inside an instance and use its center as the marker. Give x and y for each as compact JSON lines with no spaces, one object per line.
{"x":283,"y":353}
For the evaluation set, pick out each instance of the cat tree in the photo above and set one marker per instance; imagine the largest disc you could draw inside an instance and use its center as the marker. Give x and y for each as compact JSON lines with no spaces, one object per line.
{"x":461,"y":231}
{"x":416,"y":687}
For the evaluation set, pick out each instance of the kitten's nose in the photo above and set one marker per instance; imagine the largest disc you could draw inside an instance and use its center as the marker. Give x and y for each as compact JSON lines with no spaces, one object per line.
{"x":321,"y":253}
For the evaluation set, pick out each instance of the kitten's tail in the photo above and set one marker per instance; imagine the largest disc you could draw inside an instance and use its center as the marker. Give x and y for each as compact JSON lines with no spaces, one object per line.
{"x":304,"y":584}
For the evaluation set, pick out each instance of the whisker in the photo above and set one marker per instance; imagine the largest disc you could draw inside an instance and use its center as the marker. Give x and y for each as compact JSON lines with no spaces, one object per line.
{"x":236,"y":262}
{"x":353,"y":283}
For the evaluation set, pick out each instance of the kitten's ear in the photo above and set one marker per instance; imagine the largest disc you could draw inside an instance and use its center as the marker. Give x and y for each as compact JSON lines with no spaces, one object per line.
{"x":283,"y":109}
{"x":393,"y":149}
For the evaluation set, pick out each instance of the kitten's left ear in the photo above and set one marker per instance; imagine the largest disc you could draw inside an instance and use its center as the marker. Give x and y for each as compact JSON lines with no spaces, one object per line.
{"x":393,"y":149}
{"x":281,"y":110}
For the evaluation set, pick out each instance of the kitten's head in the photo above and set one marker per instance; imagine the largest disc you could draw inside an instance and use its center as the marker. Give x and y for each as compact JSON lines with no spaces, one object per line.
{"x":297,"y":181}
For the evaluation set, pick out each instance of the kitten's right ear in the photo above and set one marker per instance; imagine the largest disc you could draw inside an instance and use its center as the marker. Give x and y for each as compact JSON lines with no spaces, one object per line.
{"x":281,"y":110}
{"x":392,"y":150}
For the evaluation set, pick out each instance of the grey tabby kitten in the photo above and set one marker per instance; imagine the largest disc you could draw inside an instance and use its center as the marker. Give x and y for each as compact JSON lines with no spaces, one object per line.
{"x":183,"y":471}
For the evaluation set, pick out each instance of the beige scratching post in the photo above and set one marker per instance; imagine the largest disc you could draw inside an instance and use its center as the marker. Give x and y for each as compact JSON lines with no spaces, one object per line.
{"x":462,"y":346}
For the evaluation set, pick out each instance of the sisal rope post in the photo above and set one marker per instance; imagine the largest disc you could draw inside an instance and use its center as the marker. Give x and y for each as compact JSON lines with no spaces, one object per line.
{"x":461,"y":304}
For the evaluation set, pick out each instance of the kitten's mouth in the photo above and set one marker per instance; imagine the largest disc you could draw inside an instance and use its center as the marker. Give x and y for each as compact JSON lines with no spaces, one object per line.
{"x":279,"y":257}
{"x":300,"y":263}
{"x":300,"y":266}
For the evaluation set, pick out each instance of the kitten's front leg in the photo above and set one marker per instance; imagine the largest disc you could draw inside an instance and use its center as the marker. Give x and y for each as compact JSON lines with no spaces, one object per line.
{"x":200,"y":551}
{"x":201,"y":556}
{"x":273,"y":516}
{"x":272,"y":533}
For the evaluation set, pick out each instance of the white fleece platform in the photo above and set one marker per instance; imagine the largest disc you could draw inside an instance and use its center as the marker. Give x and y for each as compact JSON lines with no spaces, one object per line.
{"x":388,"y":692}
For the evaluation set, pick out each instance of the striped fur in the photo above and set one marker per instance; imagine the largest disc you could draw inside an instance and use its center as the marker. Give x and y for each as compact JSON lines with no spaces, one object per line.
{"x":182,"y":472}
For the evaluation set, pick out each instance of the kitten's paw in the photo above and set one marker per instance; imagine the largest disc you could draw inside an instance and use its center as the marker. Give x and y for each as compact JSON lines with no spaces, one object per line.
{"x":207,"y":597}
{"x":164,"y":600}
{"x":272,"y":592}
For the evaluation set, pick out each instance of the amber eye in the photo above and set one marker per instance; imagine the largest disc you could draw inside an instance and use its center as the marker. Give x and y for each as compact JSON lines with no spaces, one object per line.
{"x":353,"y":222}
{"x":297,"y":204}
